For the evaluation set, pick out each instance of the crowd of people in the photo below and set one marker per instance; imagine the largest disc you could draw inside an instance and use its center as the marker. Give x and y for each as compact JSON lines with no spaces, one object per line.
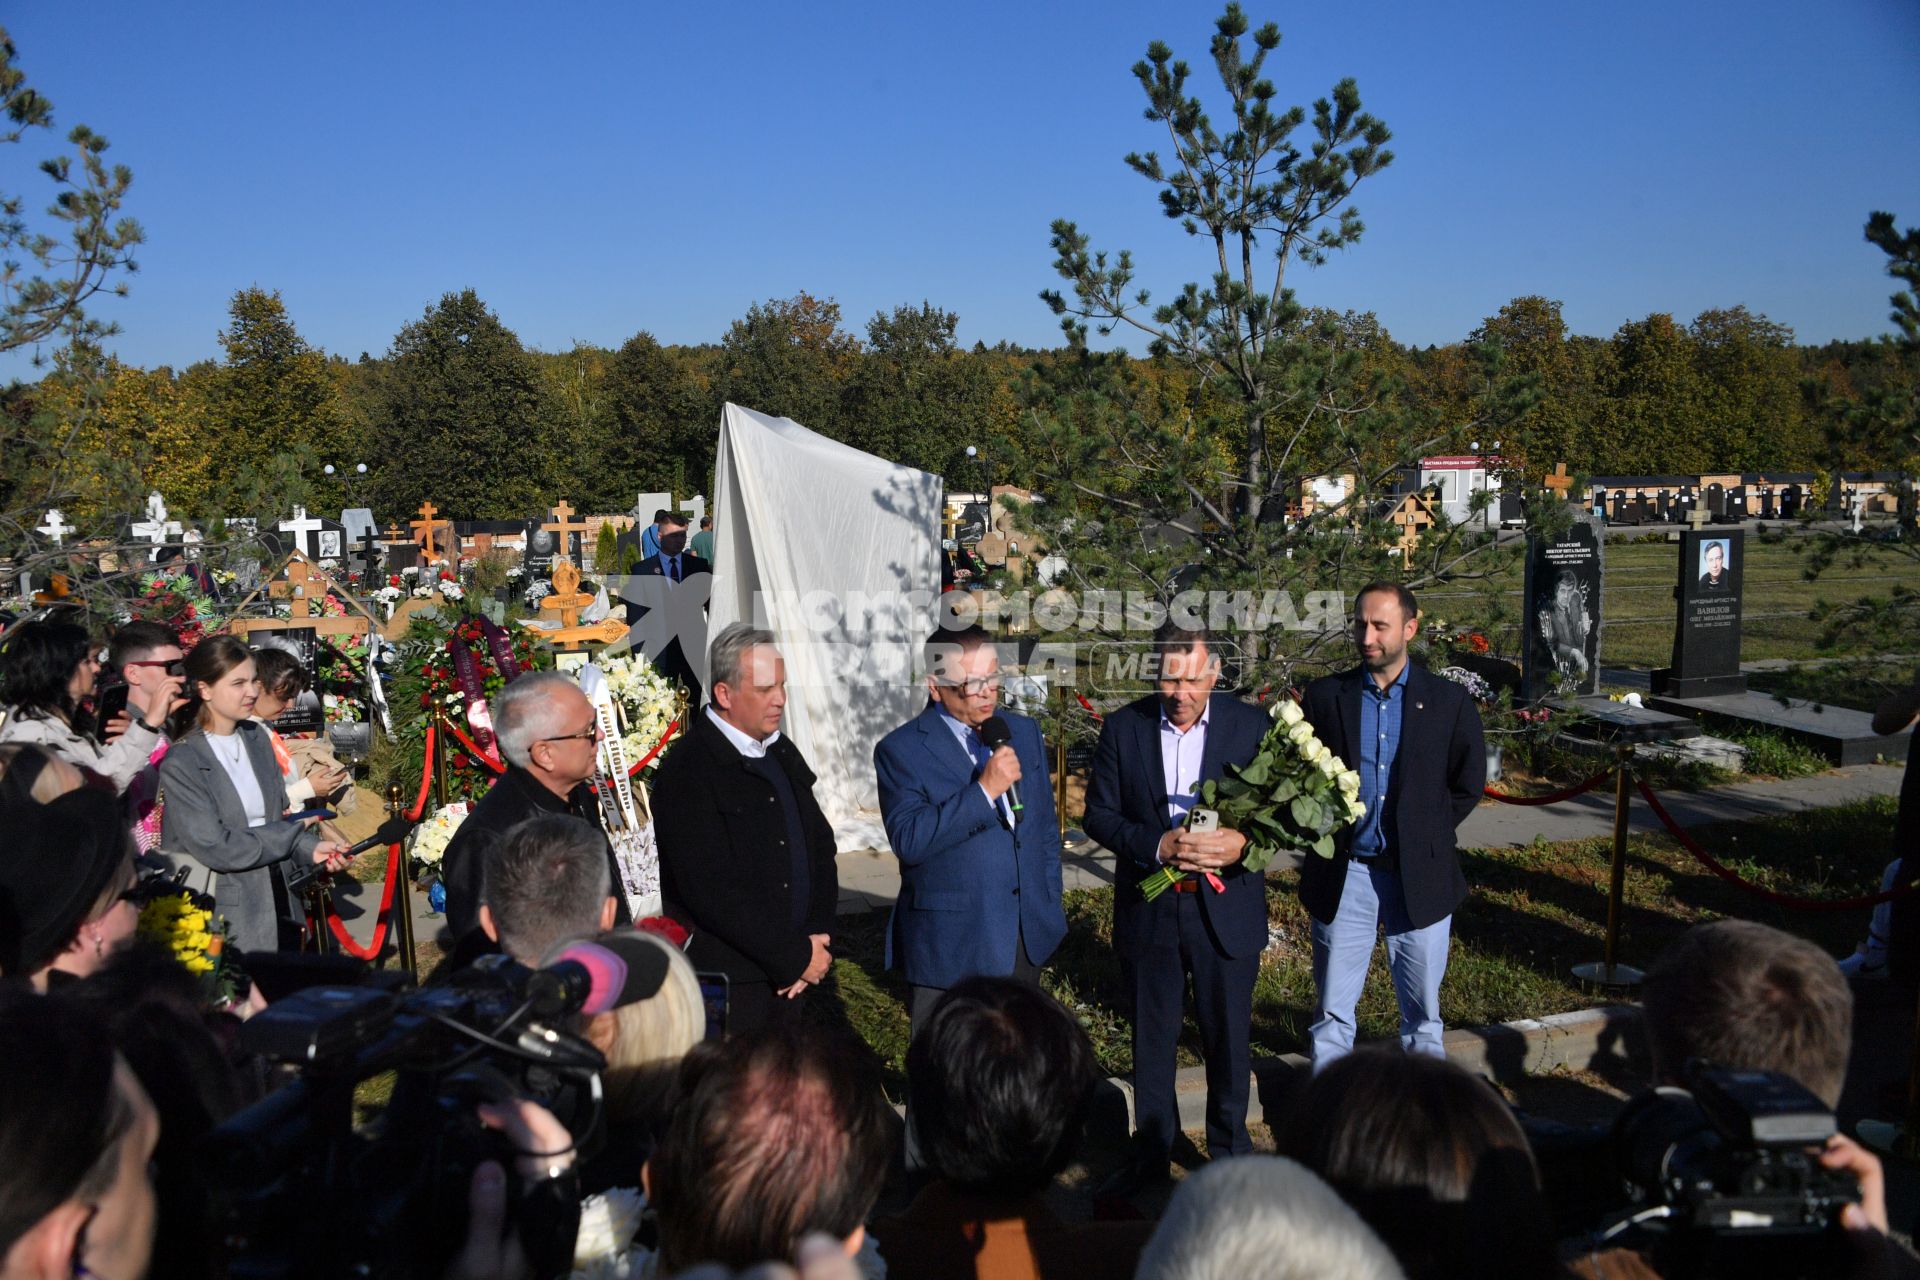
{"x":732,"y":1096}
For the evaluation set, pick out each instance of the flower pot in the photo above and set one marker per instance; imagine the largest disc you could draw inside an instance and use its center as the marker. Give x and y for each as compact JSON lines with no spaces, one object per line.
{"x":1493,"y":763}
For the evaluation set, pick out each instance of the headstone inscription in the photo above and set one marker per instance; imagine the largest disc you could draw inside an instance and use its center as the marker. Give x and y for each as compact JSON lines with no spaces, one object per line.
{"x":1562,"y":612}
{"x":1706,"y":637}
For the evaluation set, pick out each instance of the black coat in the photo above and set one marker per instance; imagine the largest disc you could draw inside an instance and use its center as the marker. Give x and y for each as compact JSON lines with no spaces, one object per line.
{"x":516,"y":797}
{"x":725,"y":872}
{"x":1127,"y":813}
{"x":1438,"y":776}
{"x":672,"y":662}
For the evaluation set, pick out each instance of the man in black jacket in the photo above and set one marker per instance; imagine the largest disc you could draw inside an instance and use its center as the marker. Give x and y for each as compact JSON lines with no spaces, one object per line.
{"x":676,"y":564}
{"x":1415,"y":741}
{"x":746,"y":856}
{"x":546,"y":730}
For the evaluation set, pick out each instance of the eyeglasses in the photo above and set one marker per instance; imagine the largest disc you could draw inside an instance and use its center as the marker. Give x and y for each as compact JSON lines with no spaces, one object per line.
{"x":173,"y":666}
{"x":589,"y":734}
{"x":973,"y":688}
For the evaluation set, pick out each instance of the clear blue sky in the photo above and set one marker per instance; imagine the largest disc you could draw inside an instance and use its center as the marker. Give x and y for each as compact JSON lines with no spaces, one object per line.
{"x":596,"y":168}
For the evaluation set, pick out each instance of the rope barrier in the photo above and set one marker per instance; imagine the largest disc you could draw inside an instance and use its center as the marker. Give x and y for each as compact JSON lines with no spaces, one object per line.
{"x":426,"y":779}
{"x":1087,"y":706}
{"x":1732,"y":877}
{"x":658,"y":747}
{"x":380,"y":921}
{"x":1579,"y":788}
{"x":473,"y":748}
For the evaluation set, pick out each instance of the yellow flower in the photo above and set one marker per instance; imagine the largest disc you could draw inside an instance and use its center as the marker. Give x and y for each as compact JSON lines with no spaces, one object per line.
{"x":199,"y":964}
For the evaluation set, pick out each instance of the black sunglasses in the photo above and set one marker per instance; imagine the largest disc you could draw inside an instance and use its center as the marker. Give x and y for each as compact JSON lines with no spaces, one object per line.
{"x":173,"y":666}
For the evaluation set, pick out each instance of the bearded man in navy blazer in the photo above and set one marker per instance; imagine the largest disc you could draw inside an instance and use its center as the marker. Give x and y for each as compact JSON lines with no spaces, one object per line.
{"x":974,"y":828}
{"x":1415,"y":740}
{"x":1152,"y":757}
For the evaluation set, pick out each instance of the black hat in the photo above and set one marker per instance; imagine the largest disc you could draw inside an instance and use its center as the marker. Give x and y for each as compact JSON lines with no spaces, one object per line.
{"x":55,"y":861}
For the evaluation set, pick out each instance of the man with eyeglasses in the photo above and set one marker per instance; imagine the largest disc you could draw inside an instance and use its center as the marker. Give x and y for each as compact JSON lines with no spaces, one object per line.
{"x":148,"y":657}
{"x":547,"y":731}
{"x":971,"y":819}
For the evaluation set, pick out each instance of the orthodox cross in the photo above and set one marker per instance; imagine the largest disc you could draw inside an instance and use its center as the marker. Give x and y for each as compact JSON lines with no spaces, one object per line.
{"x":424,"y":527}
{"x":563,"y":526}
{"x":1559,"y":481}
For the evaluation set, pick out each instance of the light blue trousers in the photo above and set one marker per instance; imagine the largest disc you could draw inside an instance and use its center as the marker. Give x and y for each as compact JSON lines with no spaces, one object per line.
{"x":1417,"y":959}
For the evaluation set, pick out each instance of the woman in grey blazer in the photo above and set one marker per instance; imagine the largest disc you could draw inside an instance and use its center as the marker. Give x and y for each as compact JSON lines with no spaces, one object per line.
{"x":225,"y":798}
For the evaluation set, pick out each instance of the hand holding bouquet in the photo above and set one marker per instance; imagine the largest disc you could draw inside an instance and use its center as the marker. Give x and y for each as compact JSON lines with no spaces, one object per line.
{"x":1293,"y":794}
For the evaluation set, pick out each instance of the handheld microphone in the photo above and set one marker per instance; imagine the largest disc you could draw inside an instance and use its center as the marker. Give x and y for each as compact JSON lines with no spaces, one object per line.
{"x":392,"y":831}
{"x":995,"y":734}
{"x":598,"y":974}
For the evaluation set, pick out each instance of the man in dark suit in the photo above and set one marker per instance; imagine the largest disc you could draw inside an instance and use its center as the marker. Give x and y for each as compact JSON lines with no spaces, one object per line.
{"x":548,"y":733}
{"x":746,"y":856}
{"x":1416,"y":743}
{"x":676,"y":564}
{"x":979,"y":878}
{"x":1152,"y":757}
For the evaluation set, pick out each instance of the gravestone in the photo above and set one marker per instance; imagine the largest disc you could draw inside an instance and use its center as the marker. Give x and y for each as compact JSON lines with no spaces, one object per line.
{"x":330,"y":541}
{"x":1706,"y":638}
{"x":1791,"y":501}
{"x":367,"y":558}
{"x":402,"y":552}
{"x":1561,"y":610}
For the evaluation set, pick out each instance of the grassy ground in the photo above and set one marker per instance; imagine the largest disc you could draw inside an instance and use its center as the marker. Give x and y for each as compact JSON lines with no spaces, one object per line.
{"x":1637,"y":603}
{"x":1534,"y":913}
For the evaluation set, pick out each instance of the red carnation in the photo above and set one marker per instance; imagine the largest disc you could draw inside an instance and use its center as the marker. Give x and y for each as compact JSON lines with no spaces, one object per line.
{"x":666,"y":927}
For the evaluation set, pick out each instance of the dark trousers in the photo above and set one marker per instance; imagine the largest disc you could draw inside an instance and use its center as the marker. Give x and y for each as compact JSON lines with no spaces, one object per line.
{"x":1156,"y":982}
{"x":920,"y":1000}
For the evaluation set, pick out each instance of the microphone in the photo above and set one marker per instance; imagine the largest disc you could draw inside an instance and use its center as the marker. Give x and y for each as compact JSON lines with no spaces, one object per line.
{"x":598,"y":974}
{"x":392,"y":831}
{"x":995,"y":734}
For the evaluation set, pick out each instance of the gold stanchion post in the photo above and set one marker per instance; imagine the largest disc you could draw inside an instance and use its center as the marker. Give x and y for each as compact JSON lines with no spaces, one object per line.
{"x":1060,"y":761}
{"x":1610,"y":972}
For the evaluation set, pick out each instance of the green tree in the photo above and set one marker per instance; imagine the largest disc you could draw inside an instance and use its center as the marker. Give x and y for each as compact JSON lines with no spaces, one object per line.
{"x":789,"y":357}
{"x":1655,"y":418}
{"x":915,"y":397}
{"x":464,"y":418}
{"x":275,"y":395}
{"x":1532,"y":337}
{"x":663,"y":427}
{"x":1751,"y":378}
{"x":84,"y":249}
{"x":1277,"y":393}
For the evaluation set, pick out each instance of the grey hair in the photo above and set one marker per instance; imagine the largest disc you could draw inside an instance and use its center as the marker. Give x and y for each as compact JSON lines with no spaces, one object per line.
{"x":523,"y":713}
{"x":729,"y":650}
{"x":545,"y":880}
{"x":1262,"y":1218}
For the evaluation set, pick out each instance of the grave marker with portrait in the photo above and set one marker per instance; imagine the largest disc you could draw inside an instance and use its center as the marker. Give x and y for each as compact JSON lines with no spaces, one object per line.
{"x":1562,"y":612}
{"x":1706,"y":636}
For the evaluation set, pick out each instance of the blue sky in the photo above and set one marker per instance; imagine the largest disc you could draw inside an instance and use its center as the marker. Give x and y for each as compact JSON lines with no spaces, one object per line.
{"x":594,"y":169}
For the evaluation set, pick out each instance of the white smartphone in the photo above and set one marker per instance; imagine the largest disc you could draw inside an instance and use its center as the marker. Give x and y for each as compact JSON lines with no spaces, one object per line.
{"x":1203,"y":820}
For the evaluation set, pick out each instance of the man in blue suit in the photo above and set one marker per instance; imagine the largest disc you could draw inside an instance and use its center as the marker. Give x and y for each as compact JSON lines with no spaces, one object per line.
{"x":979,"y":873}
{"x":1152,"y":757}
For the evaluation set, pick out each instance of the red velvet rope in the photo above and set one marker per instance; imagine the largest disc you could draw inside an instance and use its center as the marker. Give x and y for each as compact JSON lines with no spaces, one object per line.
{"x":658,"y":747}
{"x":394,"y":860}
{"x":1578,"y":788}
{"x":1087,"y":706}
{"x":473,"y":748}
{"x":1706,"y":860}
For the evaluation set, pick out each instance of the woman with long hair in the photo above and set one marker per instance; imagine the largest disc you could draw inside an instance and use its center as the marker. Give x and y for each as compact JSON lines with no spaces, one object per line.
{"x":47,"y":669}
{"x":225,"y":799}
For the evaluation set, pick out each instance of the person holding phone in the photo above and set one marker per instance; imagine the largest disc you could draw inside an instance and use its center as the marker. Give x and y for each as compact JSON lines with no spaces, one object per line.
{"x":144,"y":655}
{"x":314,"y":777}
{"x":48,"y":670}
{"x":224,"y":797}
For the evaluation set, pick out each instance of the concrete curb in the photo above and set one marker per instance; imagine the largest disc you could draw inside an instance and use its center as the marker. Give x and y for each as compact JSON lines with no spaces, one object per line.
{"x":1586,"y":1039}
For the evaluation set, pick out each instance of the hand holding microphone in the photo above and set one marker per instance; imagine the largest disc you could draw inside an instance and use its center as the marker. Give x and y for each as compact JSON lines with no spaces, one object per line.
{"x":1001,"y":774}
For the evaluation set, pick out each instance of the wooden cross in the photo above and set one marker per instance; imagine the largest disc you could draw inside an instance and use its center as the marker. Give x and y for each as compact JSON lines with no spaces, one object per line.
{"x":424,"y":527}
{"x":1698,"y":517}
{"x":566,"y":602}
{"x":295,"y":587}
{"x":1559,"y":481}
{"x":561,"y":525}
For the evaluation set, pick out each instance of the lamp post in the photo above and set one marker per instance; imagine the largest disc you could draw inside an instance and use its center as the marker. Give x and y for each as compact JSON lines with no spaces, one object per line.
{"x":352,"y":486}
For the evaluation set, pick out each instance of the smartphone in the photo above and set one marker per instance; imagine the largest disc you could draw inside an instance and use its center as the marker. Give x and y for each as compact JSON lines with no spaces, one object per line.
{"x":713,"y":994}
{"x":113,"y":702}
{"x":1203,"y":820}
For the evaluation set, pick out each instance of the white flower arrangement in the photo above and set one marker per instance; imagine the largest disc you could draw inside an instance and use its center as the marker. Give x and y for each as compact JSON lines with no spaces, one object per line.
{"x":452,"y":591}
{"x":387,"y":598}
{"x":430,"y":838}
{"x":645,"y":699}
{"x":539,"y":589}
{"x":603,"y":1245}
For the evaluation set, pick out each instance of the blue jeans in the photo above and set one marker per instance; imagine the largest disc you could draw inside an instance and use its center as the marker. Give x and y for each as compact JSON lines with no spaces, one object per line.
{"x":1417,"y":959}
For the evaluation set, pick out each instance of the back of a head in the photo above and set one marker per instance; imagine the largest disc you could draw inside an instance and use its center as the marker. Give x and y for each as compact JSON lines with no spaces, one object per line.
{"x":1262,"y":1218}
{"x":62,"y":1116}
{"x":999,"y":1081}
{"x":774,"y":1135}
{"x":1432,"y":1158}
{"x":280,"y":673}
{"x":545,"y":880}
{"x":36,"y":663}
{"x":1749,"y":997}
{"x":651,"y":1037}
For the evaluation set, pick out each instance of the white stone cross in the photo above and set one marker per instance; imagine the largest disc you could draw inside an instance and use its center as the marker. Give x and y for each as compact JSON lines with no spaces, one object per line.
{"x":156,"y":528}
{"x":56,"y":527}
{"x":300,"y":526}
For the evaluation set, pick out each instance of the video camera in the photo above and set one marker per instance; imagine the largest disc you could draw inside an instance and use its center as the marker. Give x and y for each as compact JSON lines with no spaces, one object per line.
{"x":305,"y":1183}
{"x":1720,"y":1178}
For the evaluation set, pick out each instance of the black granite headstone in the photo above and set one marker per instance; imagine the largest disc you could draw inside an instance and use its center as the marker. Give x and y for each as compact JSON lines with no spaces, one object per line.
{"x":1562,"y":614}
{"x":1716,"y":500}
{"x":1706,"y":637}
{"x":1791,"y":501}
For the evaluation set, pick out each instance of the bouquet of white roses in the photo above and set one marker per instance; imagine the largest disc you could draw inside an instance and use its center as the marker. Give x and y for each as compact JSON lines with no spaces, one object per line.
{"x":647,"y":702}
{"x":1293,"y":794}
{"x":430,"y":838}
